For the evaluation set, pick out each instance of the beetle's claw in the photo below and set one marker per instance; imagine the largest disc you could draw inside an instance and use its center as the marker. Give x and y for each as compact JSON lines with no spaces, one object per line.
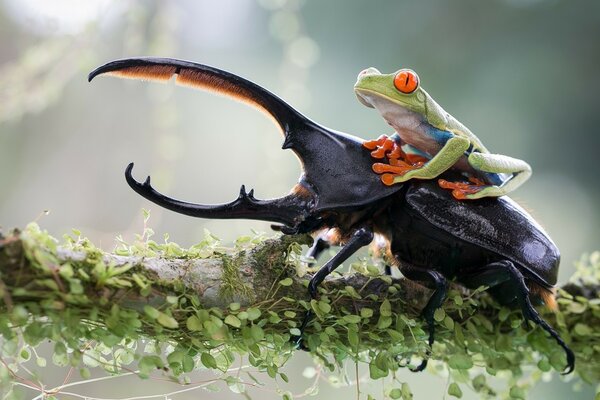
{"x":420,"y":367}
{"x":298,"y":340}
{"x":570,"y":362}
{"x":298,"y":343}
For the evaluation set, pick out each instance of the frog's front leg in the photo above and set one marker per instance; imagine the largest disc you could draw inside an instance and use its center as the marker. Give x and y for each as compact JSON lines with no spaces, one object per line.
{"x":453,"y":149}
{"x":498,"y":164}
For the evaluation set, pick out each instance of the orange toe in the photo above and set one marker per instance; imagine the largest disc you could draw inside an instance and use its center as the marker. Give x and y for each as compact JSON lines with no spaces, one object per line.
{"x":387,"y":179}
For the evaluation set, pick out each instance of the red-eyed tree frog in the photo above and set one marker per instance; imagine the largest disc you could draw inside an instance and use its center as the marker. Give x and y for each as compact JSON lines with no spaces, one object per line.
{"x":431,"y":140}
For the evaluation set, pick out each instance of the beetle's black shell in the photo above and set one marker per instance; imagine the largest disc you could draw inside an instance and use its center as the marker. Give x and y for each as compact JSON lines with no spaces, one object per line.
{"x":498,"y":225}
{"x":337,"y":168}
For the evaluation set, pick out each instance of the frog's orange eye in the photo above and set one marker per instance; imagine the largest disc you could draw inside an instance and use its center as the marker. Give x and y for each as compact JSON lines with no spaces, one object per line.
{"x":406,"y":81}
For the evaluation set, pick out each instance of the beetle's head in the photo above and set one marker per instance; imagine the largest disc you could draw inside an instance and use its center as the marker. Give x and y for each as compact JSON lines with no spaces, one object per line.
{"x":337,"y":169}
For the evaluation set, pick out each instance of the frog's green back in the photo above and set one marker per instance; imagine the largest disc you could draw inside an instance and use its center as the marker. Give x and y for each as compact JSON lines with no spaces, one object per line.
{"x":441,"y":119}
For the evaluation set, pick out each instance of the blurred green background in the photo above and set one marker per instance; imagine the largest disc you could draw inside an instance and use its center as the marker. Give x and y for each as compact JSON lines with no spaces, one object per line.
{"x":521,"y":74}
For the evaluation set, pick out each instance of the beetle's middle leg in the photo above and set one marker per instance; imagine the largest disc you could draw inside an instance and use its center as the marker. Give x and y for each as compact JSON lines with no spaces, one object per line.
{"x":360,"y":238}
{"x":319,"y":246}
{"x":440,"y":286}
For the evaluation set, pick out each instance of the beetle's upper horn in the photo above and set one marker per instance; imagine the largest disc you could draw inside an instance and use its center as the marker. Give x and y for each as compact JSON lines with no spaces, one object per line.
{"x":204,"y":77}
{"x":289,"y":210}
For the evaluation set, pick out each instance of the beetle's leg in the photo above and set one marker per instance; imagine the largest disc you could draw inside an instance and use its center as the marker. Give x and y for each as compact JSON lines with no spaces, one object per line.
{"x":387,"y":269}
{"x":440,"y":288}
{"x":360,"y":238}
{"x":503,"y":271}
{"x":318,"y":247}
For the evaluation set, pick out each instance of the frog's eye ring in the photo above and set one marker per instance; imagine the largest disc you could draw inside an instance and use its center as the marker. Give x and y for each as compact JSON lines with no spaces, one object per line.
{"x":406,"y":81}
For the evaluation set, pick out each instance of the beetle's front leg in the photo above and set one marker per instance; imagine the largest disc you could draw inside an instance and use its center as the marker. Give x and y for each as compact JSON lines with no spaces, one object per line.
{"x":440,"y":288}
{"x":360,"y":238}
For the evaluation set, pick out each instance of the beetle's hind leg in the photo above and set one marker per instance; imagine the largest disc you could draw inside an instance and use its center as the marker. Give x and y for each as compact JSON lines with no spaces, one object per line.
{"x":440,"y":288}
{"x":505,"y":272}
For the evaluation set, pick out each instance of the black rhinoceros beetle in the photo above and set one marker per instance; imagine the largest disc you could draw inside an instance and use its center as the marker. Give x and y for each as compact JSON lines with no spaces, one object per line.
{"x":432,"y":236}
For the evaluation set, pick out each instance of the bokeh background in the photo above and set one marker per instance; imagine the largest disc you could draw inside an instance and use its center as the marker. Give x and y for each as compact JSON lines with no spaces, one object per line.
{"x":522,"y":74}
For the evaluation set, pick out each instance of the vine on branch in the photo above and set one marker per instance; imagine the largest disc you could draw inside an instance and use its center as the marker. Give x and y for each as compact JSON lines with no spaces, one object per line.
{"x":157,"y":308}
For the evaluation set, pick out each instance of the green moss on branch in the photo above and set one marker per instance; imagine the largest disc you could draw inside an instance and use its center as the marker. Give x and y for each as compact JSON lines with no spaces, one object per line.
{"x":213,"y":304}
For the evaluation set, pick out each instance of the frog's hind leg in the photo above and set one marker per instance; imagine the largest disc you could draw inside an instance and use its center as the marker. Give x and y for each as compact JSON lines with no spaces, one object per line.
{"x":498,"y":164}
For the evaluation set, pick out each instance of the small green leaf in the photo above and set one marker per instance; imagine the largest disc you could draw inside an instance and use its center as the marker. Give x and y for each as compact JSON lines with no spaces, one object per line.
{"x":286,"y":282}
{"x":517,"y":393}
{"x":234,"y":306}
{"x":253,"y":313}
{"x":208,"y":360}
{"x":384,"y":322}
{"x":375,"y":372}
{"x":194,"y":324}
{"x":503,"y":314}
{"x":85,"y":373}
{"x":151,"y":312}
{"x":583,"y":330}
{"x":352,"y":292}
{"x":544,"y":365}
{"x":324,"y":306}
{"x":395,"y":393}
{"x":257,"y":333}
{"x":385,"y":309}
{"x":366,"y":312}
{"x":454,"y":390}
{"x":351,"y":319}
{"x":449,"y":322}
{"x":295,"y":332}
{"x":167,"y":321}
{"x":233,"y":321}
{"x":187,"y":363}
{"x":460,"y":361}
{"x":406,"y":393}
{"x":576,"y":308}
{"x":439,"y":314}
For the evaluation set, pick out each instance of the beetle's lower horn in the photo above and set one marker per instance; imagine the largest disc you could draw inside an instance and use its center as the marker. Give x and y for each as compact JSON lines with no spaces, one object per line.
{"x":288,"y":210}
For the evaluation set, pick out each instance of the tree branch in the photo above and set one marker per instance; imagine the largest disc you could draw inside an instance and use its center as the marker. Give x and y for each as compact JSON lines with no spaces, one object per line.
{"x":250,"y":300}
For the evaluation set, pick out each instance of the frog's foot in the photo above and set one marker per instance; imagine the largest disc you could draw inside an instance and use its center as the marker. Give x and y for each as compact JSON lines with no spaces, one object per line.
{"x":474,"y":189}
{"x":373,"y":144}
{"x":384,"y":146}
{"x":395,"y":171}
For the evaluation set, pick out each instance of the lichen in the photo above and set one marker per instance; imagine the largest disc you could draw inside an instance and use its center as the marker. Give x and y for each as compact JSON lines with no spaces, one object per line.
{"x":233,"y":287}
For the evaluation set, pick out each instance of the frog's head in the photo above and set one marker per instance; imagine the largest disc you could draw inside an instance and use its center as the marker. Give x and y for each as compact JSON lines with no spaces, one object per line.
{"x":399,"y":98}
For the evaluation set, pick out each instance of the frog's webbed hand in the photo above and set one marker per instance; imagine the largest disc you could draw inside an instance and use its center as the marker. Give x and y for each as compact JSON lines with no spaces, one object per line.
{"x":453,"y":149}
{"x":498,"y":164}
